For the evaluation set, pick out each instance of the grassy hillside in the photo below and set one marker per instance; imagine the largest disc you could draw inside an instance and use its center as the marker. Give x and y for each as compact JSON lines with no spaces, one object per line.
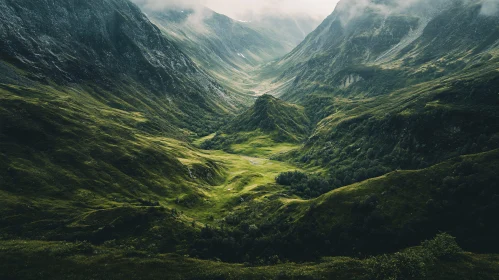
{"x":411,"y":128}
{"x":376,"y":216}
{"x":270,"y":126}
{"x":65,"y":154}
{"x":111,"y":50}
{"x":273,"y":116}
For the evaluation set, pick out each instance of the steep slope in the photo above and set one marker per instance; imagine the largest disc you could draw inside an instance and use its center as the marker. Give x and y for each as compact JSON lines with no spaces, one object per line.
{"x":272,"y":115}
{"x":95,"y":110}
{"x":403,"y":89}
{"x":369,"y":48}
{"x":408,"y":129}
{"x":218,"y":37}
{"x":112,"y":46}
{"x":231,"y":50}
{"x":289,"y":29}
{"x":269,"y":122}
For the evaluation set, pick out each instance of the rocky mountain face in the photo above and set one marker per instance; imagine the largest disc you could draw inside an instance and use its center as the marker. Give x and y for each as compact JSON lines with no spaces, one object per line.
{"x":109,"y":44}
{"x":369,"y":48}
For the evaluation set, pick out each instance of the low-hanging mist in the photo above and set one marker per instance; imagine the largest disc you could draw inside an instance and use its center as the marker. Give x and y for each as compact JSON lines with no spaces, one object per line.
{"x":245,"y":10}
{"x":351,"y":9}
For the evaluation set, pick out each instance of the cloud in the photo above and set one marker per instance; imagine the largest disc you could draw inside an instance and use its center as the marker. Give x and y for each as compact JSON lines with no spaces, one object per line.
{"x":196,"y":17}
{"x":348,"y":10}
{"x":165,"y":4}
{"x":490,"y":8}
{"x":242,"y":9}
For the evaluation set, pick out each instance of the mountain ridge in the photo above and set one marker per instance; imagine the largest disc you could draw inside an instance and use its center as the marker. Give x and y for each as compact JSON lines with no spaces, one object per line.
{"x":364,"y":44}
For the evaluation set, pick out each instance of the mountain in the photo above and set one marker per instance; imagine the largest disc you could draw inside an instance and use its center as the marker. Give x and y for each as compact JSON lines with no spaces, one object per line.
{"x":270,"y":123}
{"x":272,"y":115}
{"x":96,"y":108}
{"x":112,"y":47}
{"x":403,"y":90}
{"x":231,"y":50}
{"x":290,"y":29}
{"x":367,"y":51}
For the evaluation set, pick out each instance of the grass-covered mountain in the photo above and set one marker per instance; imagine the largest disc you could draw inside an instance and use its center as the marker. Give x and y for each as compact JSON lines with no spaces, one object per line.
{"x":270,"y":122}
{"x":96,"y":106}
{"x":273,"y":115}
{"x":113,"y":48}
{"x":399,"y":90}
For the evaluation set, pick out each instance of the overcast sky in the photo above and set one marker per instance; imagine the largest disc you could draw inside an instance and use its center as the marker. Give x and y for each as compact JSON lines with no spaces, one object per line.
{"x":242,"y":9}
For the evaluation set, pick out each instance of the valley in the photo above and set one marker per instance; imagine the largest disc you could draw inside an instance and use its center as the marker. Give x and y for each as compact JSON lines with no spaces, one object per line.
{"x":140,"y":143}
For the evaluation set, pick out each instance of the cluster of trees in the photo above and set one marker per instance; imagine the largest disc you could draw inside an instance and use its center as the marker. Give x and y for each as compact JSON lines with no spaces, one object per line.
{"x":414,"y":263}
{"x":306,"y":186}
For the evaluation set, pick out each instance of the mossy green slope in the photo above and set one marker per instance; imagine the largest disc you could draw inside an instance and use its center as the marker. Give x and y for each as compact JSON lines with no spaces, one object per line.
{"x":100,"y":152}
{"x":411,"y":128}
{"x":111,"y":48}
{"x":268,"y":128}
{"x":65,"y":154}
{"x":287,"y":122}
{"x":391,"y":212}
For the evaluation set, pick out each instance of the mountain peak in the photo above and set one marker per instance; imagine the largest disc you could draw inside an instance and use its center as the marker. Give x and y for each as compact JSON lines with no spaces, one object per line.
{"x":287,"y":122}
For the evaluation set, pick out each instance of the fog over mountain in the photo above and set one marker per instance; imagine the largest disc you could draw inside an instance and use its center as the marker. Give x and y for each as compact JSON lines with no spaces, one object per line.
{"x":245,"y":10}
{"x":356,"y":8}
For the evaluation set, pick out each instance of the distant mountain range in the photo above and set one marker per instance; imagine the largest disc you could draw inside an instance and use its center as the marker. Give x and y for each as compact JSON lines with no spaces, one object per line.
{"x":230,"y":49}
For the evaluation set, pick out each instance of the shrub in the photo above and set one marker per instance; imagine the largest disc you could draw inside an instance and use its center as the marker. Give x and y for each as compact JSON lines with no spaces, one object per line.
{"x":443,"y":246}
{"x":409,"y":264}
{"x":413,"y":263}
{"x":289,"y":178}
{"x":306,"y":186}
